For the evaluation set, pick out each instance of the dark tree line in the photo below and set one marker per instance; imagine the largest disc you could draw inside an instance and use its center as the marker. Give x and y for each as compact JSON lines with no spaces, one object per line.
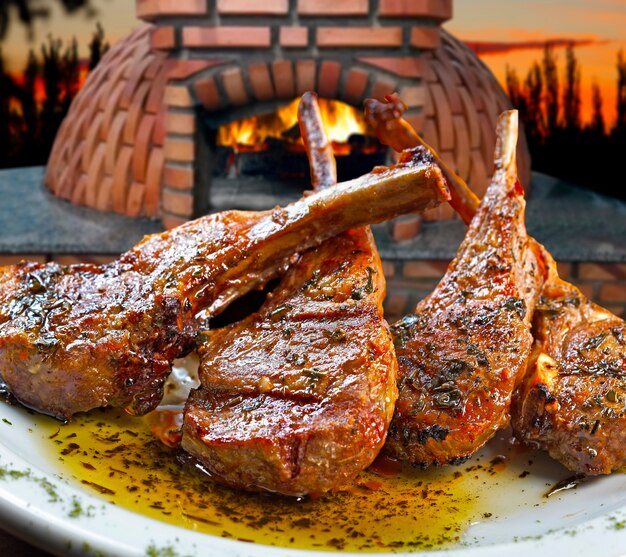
{"x":560,"y":144}
{"x":28,"y":127}
{"x":27,"y":11}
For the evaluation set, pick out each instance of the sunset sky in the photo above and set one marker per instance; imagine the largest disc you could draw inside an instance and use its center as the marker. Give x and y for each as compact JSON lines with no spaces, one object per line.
{"x":515,"y":30}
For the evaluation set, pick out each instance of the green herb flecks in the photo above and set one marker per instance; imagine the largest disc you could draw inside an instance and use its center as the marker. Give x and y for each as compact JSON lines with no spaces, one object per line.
{"x":46,"y":485}
{"x":516,"y":304}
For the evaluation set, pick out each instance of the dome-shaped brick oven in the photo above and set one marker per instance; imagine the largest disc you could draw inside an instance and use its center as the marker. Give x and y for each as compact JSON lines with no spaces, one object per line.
{"x":132,"y":142}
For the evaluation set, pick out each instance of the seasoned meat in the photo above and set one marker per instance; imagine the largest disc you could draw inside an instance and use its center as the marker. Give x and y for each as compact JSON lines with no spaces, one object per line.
{"x":297,"y":398}
{"x":463,"y":351}
{"x":572,"y":401}
{"x":79,"y":337}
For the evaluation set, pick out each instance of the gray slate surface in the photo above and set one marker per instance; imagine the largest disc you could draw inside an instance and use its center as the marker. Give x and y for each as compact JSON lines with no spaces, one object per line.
{"x":573,"y":223}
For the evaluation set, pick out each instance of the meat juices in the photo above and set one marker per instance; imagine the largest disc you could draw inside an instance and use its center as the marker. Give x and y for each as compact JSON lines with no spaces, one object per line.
{"x":571,"y":403}
{"x":466,"y":347}
{"x":297,"y":398}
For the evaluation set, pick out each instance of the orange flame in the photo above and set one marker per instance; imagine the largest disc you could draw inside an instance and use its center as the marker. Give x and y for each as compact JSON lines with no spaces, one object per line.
{"x":251,"y":134}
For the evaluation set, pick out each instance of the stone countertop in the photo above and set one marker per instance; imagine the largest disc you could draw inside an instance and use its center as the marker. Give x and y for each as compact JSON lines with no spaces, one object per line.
{"x":32,"y":220}
{"x":573,"y":223}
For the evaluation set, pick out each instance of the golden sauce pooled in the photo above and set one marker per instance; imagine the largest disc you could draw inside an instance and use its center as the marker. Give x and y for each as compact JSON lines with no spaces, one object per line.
{"x":116,"y":456}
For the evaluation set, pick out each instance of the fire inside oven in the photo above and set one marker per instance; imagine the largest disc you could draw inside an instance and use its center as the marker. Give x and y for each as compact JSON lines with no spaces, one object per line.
{"x":269,"y":145}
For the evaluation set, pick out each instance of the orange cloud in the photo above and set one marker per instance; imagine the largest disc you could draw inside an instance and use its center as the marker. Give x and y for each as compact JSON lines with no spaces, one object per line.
{"x":486,"y":48}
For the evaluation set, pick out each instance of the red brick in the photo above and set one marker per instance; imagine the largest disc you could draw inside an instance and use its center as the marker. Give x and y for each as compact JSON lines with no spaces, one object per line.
{"x":437,"y":9}
{"x":234,"y":86}
{"x":224,"y":37}
{"x":261,"y":82}
{"x":155,"y":96}
{"x":178,"y":95}
{"x":141,"y":147}
{"x":207,"y":93}
{"x":403,"y":66}
{"x":282,"y":72}
{"x":154,"y":183}
{"x":395,"y":304}
{"x":183,"y":69}
{"x":333,"y":7}
{"x":358,"y":37}
{"x":294,"y":37}
{"x":613,"y":292}
{"x":78,"y":194}
{"x":305,"y":76}
{"x":137,"y":77}
{"x":565,"y":270}
{"x":381,"y":88}
{"x":444,"y":117}
{"x":178,"y":177}
{"x":328,"y":81}
{"x":177,"y":202}
{"x":426,"y":269}
{"x":413,"y":95}
{"x":603,"y":271}
{"x":416,"y":121}
{"x":588,"y":289}
{"x":95,"y":175}
{"x":182,"y":150}
{"x":148,"y":9}
{"x":163,"y":38}
{"x":617,"y":309}
{"x":180,"y":122}
{"x":389,"y":269}
{"x":134,"y":202}
{"x":114,"y":141}
{"x":425,"y":37}
{"x":121,"y":179}
{"x":13,"y":259}
{"x":252,"y":7}
{"x":158,"y":134}
{"x":172,"y":221}
{"x":136,"y":111}
{"x":91,"y":141}
{"x":406,"y":228}
{"x":356,"y":83}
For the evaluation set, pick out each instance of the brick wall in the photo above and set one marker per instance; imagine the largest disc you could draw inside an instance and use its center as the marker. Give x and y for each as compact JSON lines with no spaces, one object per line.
{"x":131,"y":143}
{"x":263,"y":51}
{"x":410,"y":281}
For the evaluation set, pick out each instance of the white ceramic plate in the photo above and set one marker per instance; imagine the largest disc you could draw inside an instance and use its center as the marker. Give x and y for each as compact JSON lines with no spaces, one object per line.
{"x":36,"y":503}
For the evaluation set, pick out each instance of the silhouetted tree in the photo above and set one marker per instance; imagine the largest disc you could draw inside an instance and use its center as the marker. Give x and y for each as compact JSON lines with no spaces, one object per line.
{"x":558,"y":142}
{"x":551,"y":78}
{"x":53,"y":78}
{"x":97,"y":46}
{"x":28,"y":123}
{"x":535,"y":125}
{"x":5,"y":108}
{"x":571,"y":92}
{"x":620,"y":125}
{"x":28,"y":11}
{"x":597,"y":117}
{"x":516,"y":92}
{"x":29,"y":104}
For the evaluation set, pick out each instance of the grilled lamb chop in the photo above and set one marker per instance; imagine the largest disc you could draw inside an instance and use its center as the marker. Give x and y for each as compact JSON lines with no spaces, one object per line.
{"x":571,"y":400}
{"x":79,"y":337}
{"x":297,"y":398}
{"x":466,"y":347}
{"x":571,"y":403}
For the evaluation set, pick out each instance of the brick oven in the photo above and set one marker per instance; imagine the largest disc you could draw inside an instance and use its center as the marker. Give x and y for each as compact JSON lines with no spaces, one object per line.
{"x":140,"y":136}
